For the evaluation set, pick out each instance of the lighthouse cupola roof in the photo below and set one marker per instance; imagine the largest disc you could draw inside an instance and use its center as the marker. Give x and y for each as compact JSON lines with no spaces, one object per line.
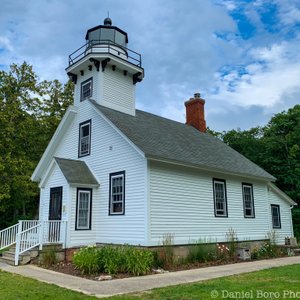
{"x":107,"y":33}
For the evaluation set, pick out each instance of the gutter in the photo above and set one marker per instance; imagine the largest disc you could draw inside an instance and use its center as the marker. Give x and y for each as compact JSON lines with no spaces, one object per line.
{"x":209,"y":169}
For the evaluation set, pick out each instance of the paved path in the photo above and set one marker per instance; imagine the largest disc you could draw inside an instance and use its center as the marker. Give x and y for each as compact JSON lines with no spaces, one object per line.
{"x":138,"y":284}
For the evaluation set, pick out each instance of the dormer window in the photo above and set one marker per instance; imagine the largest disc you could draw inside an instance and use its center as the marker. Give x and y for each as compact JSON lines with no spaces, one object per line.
{"x":84,"y":139}
{"x":86,"y":89}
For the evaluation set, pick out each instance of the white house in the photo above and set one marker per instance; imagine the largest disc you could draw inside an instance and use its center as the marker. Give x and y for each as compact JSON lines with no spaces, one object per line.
{"x":115,"y":174}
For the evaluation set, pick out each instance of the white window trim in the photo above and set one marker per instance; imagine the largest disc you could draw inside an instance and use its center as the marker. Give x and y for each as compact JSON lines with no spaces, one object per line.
{"x":223,"y":183}
{"x":84,"y":83}
{"x":79,"y":192}
{"x":81,"y":125}
{"x":246,"y":185}
{"x":279,"y":217}
{"x":113,"y":176}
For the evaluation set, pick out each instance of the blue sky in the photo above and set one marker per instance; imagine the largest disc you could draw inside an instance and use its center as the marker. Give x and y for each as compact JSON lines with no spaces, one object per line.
{"x":242,"y":56}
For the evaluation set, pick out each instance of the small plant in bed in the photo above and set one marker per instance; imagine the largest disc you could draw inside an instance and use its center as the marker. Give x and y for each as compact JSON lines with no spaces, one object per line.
{"x":49,"y":256}
{"x":87,"y":260}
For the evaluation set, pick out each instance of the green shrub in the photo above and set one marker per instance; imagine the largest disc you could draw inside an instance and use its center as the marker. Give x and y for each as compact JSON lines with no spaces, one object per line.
{"x":87,"y":260}
{"x":111,"y":260}
{"x":114,"y":259}
{"x":49,"y":256}
{"x":268,"y":249}
{"x":138,"y":261}
{"x":201,"y":252}
{"x":264,"y":251}
{"x":255,"y":253}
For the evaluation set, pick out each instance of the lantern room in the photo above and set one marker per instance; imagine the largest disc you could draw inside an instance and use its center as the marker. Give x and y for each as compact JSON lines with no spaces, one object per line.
{"x":107,"y":34}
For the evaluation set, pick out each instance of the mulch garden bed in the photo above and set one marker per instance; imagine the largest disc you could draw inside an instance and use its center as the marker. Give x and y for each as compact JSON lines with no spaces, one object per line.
{"x":70,"y":269}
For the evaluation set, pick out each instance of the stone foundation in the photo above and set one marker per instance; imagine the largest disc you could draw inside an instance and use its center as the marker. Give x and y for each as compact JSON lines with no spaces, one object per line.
{"x":179,"y":251}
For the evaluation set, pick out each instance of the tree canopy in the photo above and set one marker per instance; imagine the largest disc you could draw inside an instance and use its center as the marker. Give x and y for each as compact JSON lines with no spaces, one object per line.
{"x":30,"y":111}
{"x":274,"y":147}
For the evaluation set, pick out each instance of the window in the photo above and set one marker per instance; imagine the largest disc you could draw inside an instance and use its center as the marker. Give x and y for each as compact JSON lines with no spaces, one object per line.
{"x":84,"y":138}
{"x":83,"y":209}
{"x":220,"y":199}
{"x":86,"y":89}
{"x":275,"y":209}
{"x":248,"y":200}
{"x":117,"y":193}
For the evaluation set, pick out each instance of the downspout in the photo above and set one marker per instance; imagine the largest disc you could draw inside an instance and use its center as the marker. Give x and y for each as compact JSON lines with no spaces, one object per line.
{"x":291,"y":219}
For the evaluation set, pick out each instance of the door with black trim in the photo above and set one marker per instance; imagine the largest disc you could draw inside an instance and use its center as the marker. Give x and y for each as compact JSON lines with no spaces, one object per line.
{"x":55,"y":204}
{"x":55,"y":209}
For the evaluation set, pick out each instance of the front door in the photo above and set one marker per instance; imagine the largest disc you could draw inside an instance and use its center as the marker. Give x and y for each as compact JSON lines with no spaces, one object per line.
{"x":55,"y":207}
{"x":55,"y":203}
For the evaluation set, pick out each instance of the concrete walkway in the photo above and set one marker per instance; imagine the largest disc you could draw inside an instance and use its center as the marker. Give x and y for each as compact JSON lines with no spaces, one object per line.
{"x":137,"y":284}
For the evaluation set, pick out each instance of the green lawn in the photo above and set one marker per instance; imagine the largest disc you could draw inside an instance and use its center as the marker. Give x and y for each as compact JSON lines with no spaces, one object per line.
{"x":16,"y":287}
{"x":276,"y":283}
{"x":276,"y":280}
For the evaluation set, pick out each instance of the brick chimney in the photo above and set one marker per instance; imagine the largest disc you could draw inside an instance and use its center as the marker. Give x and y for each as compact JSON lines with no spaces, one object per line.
{"x":195,"y":112}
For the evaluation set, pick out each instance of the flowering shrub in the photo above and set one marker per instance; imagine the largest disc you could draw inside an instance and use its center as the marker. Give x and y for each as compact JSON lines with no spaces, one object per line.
{"x":265,"y":251}
{"x":222,"y":251}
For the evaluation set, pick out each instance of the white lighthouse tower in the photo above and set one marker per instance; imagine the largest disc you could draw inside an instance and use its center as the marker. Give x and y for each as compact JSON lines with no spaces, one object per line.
{"x":105,"y":70}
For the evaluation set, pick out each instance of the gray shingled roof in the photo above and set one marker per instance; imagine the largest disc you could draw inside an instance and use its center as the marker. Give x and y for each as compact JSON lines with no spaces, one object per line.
{"x":76,"y":172}
{"x":169,"y":140}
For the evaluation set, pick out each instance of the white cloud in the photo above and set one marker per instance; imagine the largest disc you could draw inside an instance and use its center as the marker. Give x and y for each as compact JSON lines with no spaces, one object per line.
{"x":289,"y":11}
{"x":5,"y":43}
{"x":266,"y":83}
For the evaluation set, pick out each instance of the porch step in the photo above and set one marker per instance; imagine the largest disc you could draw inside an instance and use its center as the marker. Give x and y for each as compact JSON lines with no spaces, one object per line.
{"x":8,"y":256}
{"x":8,"y":261}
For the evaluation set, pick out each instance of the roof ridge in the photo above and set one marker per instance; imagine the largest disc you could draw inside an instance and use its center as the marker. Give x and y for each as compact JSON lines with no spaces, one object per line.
{"x":145,"y":112}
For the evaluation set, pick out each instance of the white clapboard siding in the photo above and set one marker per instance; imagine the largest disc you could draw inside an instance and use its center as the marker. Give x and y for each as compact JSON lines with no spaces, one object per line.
{"x":181,"y":204}
{"x":286,"y":229}
{"x":118,"y":91}
{"x":109,"y":153}
{"x":55,"y":179}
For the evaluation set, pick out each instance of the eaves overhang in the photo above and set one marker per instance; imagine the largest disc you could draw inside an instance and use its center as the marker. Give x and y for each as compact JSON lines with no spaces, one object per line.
{"x":280,"y":193}
{"x":209,"y":168}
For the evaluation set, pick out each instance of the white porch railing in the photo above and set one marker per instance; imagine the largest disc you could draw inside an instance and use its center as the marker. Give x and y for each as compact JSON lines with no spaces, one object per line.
{"x":28,"y":234}
{"x":27,"y":240}
{"x":8,"y":236}
{"x":26,"y":224}
{"x":53,"y":232}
